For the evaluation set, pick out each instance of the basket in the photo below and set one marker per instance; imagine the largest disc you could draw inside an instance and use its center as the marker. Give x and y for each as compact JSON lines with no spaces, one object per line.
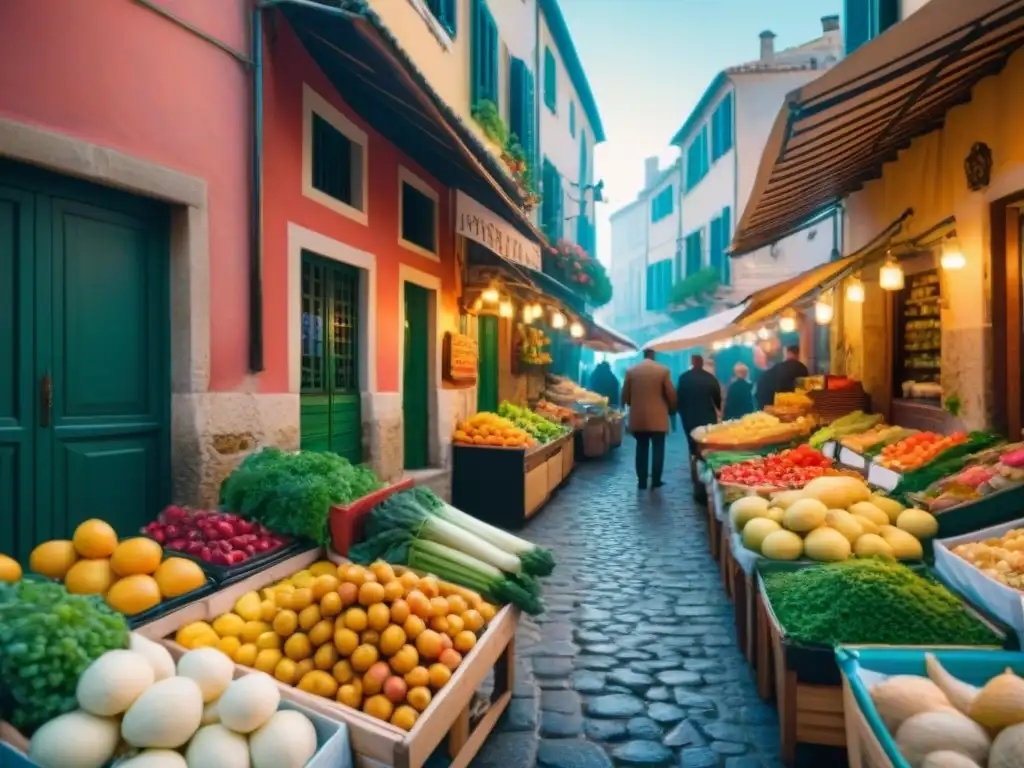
{"x":346,"y":522}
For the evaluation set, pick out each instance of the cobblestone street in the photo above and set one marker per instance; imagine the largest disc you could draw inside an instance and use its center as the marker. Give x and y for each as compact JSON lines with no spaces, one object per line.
{"x":635,"y":662}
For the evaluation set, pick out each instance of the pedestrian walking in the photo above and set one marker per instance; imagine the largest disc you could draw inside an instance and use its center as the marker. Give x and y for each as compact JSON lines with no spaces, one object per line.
{"x":605,"y":383}
{"x":699,"y":396}
{"x":647,"y":390}
{"x":739,"y":397}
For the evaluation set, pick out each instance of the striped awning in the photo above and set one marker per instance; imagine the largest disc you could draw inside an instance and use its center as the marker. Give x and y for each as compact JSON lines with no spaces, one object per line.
{"x":836,"y":132}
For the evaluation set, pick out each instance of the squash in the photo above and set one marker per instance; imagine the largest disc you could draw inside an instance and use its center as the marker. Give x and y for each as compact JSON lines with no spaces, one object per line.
{"x":756,"y":530}
{"x":805,"y":515}
{"x":904,"y":546}
{"x":775,"y":514}
{"x":946,"y":759}
{"x":845,"y":523}
{"x":155,"y":758}
{"x":960,"y":694}
{"x":891,"y":507}
{"x":782,"y":545}
{"x":867,"y":524}
{"x":214,"y":746}
{"x":872,"y":545}
{"x":166,"y":715}
{"x":249,"y":702}
{"x":210,"y":668}
{"x":1000,"y":702}
{"x":945,"y":730}
{"x":75,"y":740}
{"x":159,"y":658}
{"x":746,"y":509}
{"x":286,"y":740}
{"x":837,"y":491}
{"x":113,"y":682}
{"x":1008,"y":748}
{"x":918,"y":523}
{"x":870,"y":511}
{"x":785,"y":499}
{"x":826,"y":545}
{"x":900,"y":697}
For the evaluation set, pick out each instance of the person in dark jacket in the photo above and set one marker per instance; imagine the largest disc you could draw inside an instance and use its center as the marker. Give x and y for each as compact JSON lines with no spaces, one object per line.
{"x":698,"y":400}
{"x":739,"y":397}
{"x":788,"y":371}
{"x":604,"y":382}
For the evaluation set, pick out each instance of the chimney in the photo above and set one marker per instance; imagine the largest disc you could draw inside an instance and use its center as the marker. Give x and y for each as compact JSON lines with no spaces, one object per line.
{"x":829,"y":24}
{"x":767,"y":45}
{"x":650,"y":171}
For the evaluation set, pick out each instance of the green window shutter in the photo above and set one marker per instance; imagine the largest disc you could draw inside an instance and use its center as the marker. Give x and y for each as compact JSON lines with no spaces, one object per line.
{"x":857,"y":23}
{"x":725,"y":227}
{"x":887,"y":13}
{"x":528,"y":138}
{"x":517,"y":99}
{"x":487,"y":375}
{"x":444,"y":11}
{"x":484,"y":58}
{"x":715,"y":250}
{"x":649,"y":293}
{"x":572,"y":119}
{"x":721,"y":128}
{"x":550,"y":81}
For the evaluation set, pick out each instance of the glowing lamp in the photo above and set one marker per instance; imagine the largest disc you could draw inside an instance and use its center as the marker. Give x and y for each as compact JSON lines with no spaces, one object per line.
{"x":855,"y":290}
{"x":527,"y":314}
{"x":890,"y":276}
{"x":763,"y":333}
{"x":952,"y":257}
{"x":557,"y":320}
{"x":823,"y":312}
{"x":576,"y":330}
{"x":787,"y":323}
{"x":490,"y":295}
{"x":505,"y":309}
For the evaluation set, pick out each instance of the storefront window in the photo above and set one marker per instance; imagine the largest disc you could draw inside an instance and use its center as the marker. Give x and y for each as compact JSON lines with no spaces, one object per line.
{"x":918,"y":343}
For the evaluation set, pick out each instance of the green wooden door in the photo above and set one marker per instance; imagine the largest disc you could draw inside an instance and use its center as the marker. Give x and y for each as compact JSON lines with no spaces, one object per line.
{"x":330,"y":408}
{"x":84,"y":329}
{"x":487,"y":375}
{"x":416,"y":376}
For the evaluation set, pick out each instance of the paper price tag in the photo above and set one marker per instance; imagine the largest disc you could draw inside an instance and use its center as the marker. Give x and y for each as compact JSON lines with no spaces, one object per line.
{"x":883,"y":478}
{"x":852,"y":459}
{"x":828,"y":450}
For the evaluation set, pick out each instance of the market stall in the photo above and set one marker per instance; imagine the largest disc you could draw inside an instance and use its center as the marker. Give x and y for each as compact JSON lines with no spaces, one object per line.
{"x":325,"y":620}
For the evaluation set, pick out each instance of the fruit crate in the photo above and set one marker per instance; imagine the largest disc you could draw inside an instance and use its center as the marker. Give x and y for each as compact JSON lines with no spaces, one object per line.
{"x":173,"y":605}
{"x":376,"y":743}
{"x":808,"y":682}
{"x":347,"y":521}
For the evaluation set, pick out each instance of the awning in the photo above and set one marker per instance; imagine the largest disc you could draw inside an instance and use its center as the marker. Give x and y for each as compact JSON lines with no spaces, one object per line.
{"x":769,"y":302}
{"x":379,"y":80}
{"x":696,"y":334}
{"x":605,"y":339}
{"x":836,"y":132}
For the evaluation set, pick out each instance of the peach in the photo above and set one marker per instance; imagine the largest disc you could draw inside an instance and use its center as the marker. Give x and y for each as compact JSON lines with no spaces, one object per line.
{"x":395,"y":689}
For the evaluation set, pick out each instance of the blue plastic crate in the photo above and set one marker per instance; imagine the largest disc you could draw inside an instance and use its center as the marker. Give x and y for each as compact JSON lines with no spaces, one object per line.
{"x":868,"y":741}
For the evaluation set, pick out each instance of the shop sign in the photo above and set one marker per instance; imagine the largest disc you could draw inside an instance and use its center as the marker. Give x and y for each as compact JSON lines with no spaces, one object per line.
{"x":459,"y":358}
{"x":476,"y":222}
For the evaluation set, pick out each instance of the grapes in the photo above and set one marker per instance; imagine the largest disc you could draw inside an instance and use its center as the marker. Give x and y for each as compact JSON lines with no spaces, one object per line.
{"x":47,"y":639}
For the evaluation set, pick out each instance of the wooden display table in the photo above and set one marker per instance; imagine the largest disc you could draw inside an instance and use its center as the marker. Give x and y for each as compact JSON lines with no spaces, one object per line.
{"x":507,"y":486}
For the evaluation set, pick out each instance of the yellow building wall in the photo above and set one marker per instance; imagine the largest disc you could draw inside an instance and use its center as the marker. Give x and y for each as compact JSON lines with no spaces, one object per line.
{"x":929,"y":177}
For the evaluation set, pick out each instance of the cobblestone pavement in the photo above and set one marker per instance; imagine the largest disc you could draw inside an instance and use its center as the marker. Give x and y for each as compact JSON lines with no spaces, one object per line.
{"x":635,"y":662}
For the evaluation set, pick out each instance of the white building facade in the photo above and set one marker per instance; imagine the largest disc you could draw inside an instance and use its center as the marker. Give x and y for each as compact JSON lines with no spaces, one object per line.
{"x":721,"y":143}
{"x":518,"y":56}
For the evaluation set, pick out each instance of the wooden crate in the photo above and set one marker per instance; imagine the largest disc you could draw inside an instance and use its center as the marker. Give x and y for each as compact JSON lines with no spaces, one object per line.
{"x":714,"y":532}
{"x":725,"y":560}
{"x":744,"y":594}
{"x":764,"y":660}
{"x":374,"y":742}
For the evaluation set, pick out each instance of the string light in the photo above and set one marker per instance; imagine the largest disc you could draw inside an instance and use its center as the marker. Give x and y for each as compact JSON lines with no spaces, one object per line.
{"x":855,"y":290}
{"x":505,"y":308}
{"x":823,"y":312}
{"x":490,"y":295}
{"x":890,"y":276}
{"x":763,"y":333}
{"x":557,"y":320}
{"x":576,"y":330}
{"x":527,"y":314}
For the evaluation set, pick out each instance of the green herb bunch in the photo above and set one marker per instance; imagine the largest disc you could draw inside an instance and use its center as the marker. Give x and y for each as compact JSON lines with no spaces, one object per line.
{"x":47,"y":639}
{"x":292,"y":493}
{"x":870,"y":601}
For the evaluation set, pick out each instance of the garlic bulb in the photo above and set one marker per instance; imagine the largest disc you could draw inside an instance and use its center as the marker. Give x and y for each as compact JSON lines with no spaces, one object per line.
{"x":1000,"y":703}
{"x":959,"y":693}
{"x":1008,"y":748}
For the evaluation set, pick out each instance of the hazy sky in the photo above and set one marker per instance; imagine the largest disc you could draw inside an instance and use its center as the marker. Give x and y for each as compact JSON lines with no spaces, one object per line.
{"x":649,"y":61}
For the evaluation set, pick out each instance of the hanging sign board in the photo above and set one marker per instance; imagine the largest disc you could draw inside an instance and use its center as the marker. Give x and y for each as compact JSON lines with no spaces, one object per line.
{"x":459,"y":359}
{"x":479,"y":224}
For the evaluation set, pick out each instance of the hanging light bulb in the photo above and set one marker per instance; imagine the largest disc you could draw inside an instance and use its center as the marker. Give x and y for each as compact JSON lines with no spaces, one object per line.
{"x":787,"y":323}
{"x":890,"y":276}
{"x":527,"y":314}
{"x":557,"y":319}
{"x":536,"y":311}
{"x":490,"y":295}
{"x":763,"y":333}
{"x":952,"y":257}
{"x":855,"y":290}
{"x":505,"y":308}
{"x":823,"y":311}
{"x":576,"y":330}
{"x":478,"y":305}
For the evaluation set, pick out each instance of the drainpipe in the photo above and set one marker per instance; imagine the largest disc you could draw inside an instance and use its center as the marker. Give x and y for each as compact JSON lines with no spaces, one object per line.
{"x":256,"y":203}
{"x":538,"y":85}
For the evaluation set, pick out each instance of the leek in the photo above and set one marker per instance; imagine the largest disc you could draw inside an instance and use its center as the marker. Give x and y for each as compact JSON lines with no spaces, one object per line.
{"x":535,"y":560}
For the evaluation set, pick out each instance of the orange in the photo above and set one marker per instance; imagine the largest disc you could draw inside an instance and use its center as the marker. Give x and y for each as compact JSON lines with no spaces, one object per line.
{"x":135,"y":594}
{"x":176,"y":576}
{"x":53,"y":559}
{"x":89,"y":577}
{"x":95,"y":538}
{"x":138,"y":555}
{"x":9,"y":569}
